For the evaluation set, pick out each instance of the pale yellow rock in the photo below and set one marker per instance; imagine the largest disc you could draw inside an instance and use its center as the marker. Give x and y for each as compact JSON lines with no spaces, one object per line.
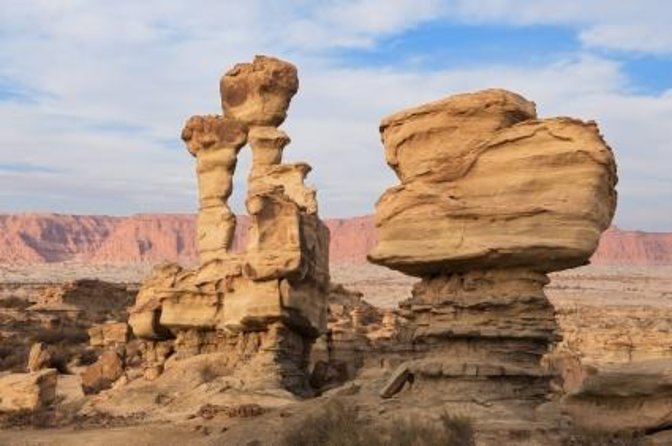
{"x":111,"y":333}
{"x":267,"y":144}
{"x":259,"y":93}
{"x":39,"y":357}
{"x":215,"y":142}
{"x":27,"y":391}
{"x":485,"y":185}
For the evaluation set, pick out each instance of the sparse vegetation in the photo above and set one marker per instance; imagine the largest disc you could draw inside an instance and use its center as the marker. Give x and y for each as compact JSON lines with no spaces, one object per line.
{"x":14,"y":302}
{"x":340,"y":424}
{"x":13,"y":357}
{"x":591,"y":437}
{"x":61,"y":335}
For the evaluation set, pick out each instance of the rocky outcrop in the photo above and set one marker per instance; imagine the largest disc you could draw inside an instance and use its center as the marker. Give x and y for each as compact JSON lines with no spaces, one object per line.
{"x":263,"y":307}
{"x":491,"y":199}
{"x":27,"y":391}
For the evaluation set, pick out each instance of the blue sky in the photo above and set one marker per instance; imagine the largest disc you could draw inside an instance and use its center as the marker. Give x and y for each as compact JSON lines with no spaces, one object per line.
{"x":93,"y":93}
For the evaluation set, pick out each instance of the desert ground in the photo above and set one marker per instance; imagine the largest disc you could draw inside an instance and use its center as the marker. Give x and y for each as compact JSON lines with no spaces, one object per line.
{"x":607,"y":314}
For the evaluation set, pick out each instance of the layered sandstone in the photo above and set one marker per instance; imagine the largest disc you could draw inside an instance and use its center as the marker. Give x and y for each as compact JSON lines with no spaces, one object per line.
{"x":490,"y":200}
{"x":260,"y":308}
{"x":484,"y":184}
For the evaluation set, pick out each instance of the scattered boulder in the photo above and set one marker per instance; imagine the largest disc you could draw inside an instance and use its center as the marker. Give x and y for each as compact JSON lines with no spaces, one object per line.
{"x":396,"y":381}
{"x":103,"y":373}
{"x":635,"y":396}
{"x":39,"y":357}
{"x":28,"y":391}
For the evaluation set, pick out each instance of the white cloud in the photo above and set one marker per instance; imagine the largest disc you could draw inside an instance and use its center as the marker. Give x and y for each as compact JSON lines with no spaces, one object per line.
{"x":639,"y":26}
{"x":146,"y":66}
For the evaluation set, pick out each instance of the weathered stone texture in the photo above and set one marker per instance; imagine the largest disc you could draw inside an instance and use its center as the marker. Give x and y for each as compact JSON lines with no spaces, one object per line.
{"x":276,"y":288}
{"x":484,"y":184}
{"x":27,"y":391}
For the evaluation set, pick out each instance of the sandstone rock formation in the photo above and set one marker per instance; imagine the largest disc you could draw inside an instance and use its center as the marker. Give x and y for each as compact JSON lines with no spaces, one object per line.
{"x":103,"y":373}
{"x":484,"y":184}
{"x":491,"y":199}
{"x":39,"y":357}
{"x":262,"y":307}
{"x":27,"y":391}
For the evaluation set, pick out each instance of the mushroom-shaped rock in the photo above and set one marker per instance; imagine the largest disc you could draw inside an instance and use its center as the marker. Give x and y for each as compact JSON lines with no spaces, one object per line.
{"x":484,"y":184}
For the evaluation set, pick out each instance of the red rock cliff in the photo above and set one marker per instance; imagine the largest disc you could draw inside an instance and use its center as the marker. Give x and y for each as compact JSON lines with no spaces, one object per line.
{"x":38,"y":238}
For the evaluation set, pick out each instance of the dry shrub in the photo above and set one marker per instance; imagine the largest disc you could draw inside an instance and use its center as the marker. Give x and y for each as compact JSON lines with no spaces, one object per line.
{"x":592,"y":437}
{"x":38,"y":419}
{"x":61,"y":335}
{"x":15,"y":303}
{"x":339,"y":424}
{"x":13,"y":358}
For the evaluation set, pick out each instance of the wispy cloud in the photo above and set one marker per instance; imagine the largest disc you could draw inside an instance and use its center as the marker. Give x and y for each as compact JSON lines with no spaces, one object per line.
{"x":107,"y":86}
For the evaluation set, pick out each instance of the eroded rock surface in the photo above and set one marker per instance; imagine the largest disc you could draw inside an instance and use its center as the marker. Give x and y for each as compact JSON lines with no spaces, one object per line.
{"x":491,"y":199}
{"x":485,"y":184}
{"x":263,"y":307}
{"x":27,"y":391}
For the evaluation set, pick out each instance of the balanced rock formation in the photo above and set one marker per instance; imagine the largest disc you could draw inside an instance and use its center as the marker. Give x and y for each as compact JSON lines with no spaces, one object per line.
{"x":484,"y":184}
{"x":491,"y":199}
{"x":262,"y":307}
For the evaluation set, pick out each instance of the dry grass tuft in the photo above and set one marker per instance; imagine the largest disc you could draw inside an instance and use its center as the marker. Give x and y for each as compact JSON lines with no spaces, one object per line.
{"x":339,"y":424}
{"x":590,"y":437}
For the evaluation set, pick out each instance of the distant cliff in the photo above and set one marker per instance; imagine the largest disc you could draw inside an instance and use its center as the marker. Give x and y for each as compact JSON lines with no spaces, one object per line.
{"x":39,"y":238}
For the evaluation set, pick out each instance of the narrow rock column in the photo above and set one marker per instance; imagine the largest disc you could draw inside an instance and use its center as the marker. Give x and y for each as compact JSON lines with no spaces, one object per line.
{"x":267,"y":145}
{"x":215,"y":142}
{"x":490,"y":200}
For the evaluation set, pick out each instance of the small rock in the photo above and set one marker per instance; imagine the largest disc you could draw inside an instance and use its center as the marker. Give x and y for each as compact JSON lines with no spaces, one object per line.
{"x":395,"y":383}
{"x":39,"y":357}
{"x":153,"y":372}
{"x":103,"y":373}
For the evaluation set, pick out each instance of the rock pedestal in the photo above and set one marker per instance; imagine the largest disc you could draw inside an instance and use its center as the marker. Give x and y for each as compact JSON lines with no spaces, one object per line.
{"x":265,"y":306}
{"x":480,"y":335}
{"x":490,"y":200}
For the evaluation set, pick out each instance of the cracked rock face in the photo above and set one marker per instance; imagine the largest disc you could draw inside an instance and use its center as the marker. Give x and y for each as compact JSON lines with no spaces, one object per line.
{"x":485,"y":184}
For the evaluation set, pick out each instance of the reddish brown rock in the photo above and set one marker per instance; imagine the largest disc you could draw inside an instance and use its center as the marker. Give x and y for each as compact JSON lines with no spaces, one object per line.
{"x":103,"y":373}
